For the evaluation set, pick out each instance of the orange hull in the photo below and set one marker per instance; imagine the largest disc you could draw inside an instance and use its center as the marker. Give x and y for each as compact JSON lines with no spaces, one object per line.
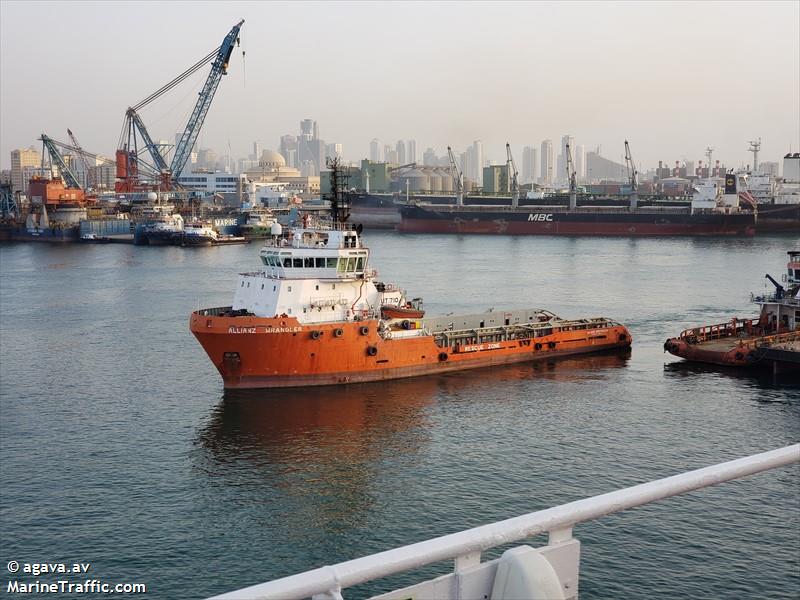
{"x":734,"y":354}
{"x":259,"y":352}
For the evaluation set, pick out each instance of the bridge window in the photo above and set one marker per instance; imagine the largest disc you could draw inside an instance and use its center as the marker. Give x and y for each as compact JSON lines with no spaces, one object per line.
{"x":331,"y":263}
{"x":319,"y":263}
{"x":308,"y":263}
{"x":287,"y":262}
{"x":360,"y":264}
{"x":298,"y":263}
{"x":342,"y":265}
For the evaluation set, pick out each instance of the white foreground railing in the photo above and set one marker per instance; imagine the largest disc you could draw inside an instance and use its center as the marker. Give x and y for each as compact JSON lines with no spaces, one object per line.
{"x":465,"y":546}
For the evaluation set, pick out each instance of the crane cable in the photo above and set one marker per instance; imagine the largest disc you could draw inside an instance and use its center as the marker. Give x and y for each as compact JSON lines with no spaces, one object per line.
{"x":180,"y":78}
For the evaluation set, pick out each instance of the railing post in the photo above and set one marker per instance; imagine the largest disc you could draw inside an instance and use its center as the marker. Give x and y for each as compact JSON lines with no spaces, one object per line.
{"x":462,"y":563}
{"x":559,"y":536}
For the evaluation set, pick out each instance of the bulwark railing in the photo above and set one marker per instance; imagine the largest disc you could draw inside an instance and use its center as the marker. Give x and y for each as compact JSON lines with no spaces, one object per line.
{"x":559,"y":560}
{"x":731,"y":328}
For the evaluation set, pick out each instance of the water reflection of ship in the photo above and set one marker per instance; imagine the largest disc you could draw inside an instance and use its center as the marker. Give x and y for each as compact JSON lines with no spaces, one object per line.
{"x":289,"y":421}
{"x":756,"y":380}
{"x":316,"y":455}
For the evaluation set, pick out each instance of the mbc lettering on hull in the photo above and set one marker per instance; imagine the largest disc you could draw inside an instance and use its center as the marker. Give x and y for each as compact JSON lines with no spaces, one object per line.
{"x":540,"y":217}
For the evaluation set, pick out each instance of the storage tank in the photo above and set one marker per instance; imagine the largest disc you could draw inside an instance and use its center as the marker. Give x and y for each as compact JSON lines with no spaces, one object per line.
{"x":447,"y":180}
{"x":416,"y":180}
{"x":435,"y":180}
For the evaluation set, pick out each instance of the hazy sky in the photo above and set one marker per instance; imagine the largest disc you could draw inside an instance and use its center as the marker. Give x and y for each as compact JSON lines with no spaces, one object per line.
{"x":672,"y":77}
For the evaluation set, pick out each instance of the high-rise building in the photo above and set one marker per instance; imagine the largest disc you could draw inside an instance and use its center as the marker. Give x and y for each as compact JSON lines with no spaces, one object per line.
{"x":547,"y":162}
{"x":390,"y":155}
{"x":333,"y":150}
{"x":288,"y":150}
{"x":768,"y":167}
{"x":20,"y":159}
{"x":477,"y":173}
{"x":411,"y":151}
{"x":580,"y":162}
{"x":429,"y":158}
{"x":375,"y":154}
{"x":256,"y":151}
{"x":400,"y":148}
{"x":308,"y":128}
{"x":530,"y":164}
{"x":561,"y":167}
{"x":310,"y":149}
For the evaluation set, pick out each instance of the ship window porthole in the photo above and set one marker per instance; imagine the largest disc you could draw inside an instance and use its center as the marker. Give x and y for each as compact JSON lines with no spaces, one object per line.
{"x":243,"y":284}
{"x":316,"y":287}
{"x":262,"y":286}
{"x":289,"y":289}
{"x":248,"y":284}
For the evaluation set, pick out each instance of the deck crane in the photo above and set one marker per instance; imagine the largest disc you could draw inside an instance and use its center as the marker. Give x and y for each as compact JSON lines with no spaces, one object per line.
{"x":633,"y":176}
{"x":513,"y":177}
{"x":88,"y":184}
{"x":56,"y":158}
{"x":128,"y":160}
{"x":458,"y":177}
{"x":572,"y":178}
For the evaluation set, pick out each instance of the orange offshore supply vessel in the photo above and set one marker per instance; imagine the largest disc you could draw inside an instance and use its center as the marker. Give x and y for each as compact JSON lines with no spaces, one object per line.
{"x":314,"y":314}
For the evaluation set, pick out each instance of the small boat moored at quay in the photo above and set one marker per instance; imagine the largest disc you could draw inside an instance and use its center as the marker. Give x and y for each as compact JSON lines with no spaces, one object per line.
{"x":315,"y":314}
{"x":772,"y":340}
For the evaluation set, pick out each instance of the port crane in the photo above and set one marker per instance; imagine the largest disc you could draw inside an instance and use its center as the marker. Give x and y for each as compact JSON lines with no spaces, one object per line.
{"x":513,"y":175}
{"x":573,"y":182}
{"x":82,"y":156}
{"x":128,"y":152}
{"x":57,"y":159}
{"x":633,"y":175}
{"x":458,"y":177}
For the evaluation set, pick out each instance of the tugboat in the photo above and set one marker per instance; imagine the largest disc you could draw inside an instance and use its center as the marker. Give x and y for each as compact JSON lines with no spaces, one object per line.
{"x":258,"y":224}
{"x":773,"y":336}
{"x":197,"y":233}
{"x":162,"y":231}
{"x":314,"y":314}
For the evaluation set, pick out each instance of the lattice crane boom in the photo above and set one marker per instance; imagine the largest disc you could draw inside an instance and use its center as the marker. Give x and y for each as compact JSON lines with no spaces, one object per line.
{"x":218,"y":68}
{"x":70,"y":180}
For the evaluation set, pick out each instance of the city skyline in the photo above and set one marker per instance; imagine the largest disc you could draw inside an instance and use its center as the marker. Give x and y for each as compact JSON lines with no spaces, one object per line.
{"x":670,"y":100}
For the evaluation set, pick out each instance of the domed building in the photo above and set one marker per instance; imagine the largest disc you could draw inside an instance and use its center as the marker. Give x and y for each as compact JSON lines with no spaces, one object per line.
{"x":272,"y":169}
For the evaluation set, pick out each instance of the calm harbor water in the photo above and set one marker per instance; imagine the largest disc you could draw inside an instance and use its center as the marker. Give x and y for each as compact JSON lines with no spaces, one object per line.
{"x":118,"y":446}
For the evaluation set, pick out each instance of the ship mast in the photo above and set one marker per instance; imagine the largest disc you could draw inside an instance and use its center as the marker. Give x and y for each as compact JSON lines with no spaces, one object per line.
{"x":340,"y":204}
{"x":755,"y":146}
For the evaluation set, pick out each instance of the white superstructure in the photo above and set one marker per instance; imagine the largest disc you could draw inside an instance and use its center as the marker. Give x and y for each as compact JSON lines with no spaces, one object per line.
{"x":316,"y":275}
